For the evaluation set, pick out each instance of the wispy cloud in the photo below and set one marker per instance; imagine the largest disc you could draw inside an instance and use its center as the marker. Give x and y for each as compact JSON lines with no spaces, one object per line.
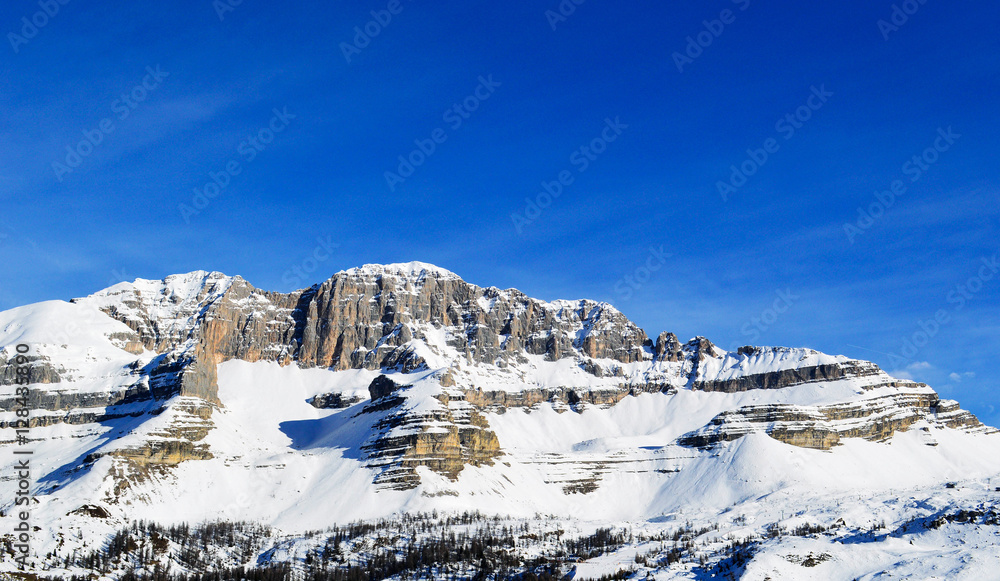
{"x":912,"y":371}
{"x":958,"y":377}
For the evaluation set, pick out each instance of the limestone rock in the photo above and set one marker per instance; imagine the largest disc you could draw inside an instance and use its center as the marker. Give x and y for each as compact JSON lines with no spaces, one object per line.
{"x":404,"y":318}
{"x":822,"y":427}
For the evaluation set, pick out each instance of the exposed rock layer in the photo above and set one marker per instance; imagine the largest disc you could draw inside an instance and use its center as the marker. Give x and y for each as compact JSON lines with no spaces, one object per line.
{"x":364,"y":319}
{"x":822,"y":427}
{"x":396,"y":319}
{"x":444,"y":439}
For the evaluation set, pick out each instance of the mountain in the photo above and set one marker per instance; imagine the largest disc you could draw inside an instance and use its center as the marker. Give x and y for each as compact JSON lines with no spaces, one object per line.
{"x":394,"y":390}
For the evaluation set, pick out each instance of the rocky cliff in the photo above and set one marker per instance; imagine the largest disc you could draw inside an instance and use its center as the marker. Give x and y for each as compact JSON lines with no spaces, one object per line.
{"x":823,"y":427}
{"x":446,"y":356}
{"x":363,"y":318}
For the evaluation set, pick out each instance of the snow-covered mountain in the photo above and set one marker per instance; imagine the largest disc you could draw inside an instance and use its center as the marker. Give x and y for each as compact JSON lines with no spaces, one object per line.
{"x":401,"y":389}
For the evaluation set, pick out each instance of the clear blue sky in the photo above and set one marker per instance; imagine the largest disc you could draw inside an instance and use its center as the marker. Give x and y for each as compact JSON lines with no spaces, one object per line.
{"x":868,"y":99}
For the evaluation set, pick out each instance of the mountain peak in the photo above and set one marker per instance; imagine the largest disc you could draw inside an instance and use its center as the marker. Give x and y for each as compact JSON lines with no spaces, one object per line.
{"x":419,"y":391}
{"x":414,"y":269}
{"x":186,"y":284}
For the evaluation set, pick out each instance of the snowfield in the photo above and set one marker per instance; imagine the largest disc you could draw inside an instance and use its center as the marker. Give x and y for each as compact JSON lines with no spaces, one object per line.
{"x":280,"y":461}
{"x":582,"y":489}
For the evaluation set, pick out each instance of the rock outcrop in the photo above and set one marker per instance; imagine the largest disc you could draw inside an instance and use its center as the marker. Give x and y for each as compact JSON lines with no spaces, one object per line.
{"x":483,"y":348}
{"x":822,"y":427}
{"x":444,"y":438}
{"x":40,"y":370}
{"x":363,"y":318}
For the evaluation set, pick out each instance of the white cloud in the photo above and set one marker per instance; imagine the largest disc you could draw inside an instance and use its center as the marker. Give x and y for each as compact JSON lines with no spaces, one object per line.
{"x":908,"y":371}
{"x":958,"y":377}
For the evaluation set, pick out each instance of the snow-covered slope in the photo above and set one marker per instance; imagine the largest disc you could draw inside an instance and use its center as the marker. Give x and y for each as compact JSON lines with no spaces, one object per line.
{"x":400,"y":389}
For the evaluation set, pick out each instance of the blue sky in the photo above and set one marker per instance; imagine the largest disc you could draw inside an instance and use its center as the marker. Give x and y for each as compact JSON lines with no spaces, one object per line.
{"x":640,"y":122}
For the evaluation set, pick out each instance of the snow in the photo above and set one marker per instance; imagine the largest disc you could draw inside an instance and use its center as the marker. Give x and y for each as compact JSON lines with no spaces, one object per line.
{"x":405,"y":269}
{"x":277,"y":459}
{"x":58,"y":323}
{"x":75,"y":340}
{"x":165,"y":309}
{"x":274,"y":449}
{"x":764,"y":360}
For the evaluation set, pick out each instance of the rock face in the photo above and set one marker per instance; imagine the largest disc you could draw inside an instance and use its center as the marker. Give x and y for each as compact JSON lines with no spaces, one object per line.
{"x":822,"y":427}
{"x":478,"y":351}
{"x":445,"y":439}
{"x":499,"y":401}
{"x":363,"y":318}
{"x":40,"y":370}
{"x":667,"y":348}
{"x":178,"y":439}
{"x":326,"y":401}
{"x":778,"y":379}
{"x":373,"y":317}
